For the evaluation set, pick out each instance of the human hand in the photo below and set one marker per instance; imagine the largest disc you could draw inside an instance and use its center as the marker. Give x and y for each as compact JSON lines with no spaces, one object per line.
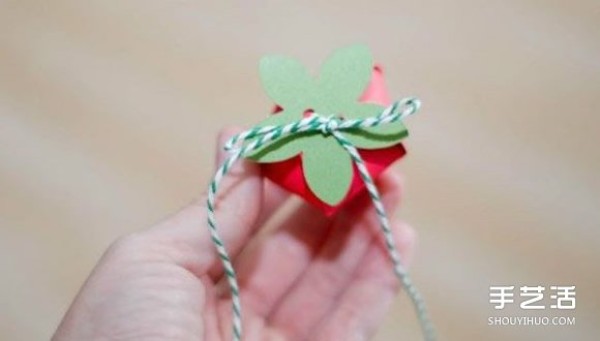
{"x":311,"y":278}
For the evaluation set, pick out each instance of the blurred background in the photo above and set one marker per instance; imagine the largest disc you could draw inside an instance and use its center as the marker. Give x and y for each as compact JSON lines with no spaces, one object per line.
{"x":108,"y":112}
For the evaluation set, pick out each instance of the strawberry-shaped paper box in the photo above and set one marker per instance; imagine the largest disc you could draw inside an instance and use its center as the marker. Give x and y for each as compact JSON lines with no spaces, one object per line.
{"x":314,"y":165}
{"x":327,"y":141}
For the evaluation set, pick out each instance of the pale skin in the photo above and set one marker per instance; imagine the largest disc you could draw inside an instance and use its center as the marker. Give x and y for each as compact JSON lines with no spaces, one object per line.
{"x":309,"y":278}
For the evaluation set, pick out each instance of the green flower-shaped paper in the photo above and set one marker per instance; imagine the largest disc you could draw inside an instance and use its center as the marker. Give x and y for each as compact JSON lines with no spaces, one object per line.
{"x":327,"y":167}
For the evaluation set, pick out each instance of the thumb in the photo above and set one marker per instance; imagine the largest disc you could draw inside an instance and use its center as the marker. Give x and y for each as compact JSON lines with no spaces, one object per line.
{"x":238,"y":204}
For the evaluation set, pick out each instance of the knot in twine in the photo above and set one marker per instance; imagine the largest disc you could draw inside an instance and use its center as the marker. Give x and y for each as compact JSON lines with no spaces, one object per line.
{"x":332,"y":125}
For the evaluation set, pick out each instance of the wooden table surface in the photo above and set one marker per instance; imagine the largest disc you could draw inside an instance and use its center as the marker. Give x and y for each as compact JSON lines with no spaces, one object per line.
{"x":108,"y":112}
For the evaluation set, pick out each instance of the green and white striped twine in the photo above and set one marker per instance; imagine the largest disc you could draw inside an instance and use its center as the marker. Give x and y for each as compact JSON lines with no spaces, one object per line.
{"x":331,"y":125}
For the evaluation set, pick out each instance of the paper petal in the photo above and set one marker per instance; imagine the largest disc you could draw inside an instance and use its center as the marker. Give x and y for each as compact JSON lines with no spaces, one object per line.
{"x":287,"y":82}
{"x":284,"y":148}
{"x":328,"y":171}
{"x":377,"y":137}
{"x":344,"y":76}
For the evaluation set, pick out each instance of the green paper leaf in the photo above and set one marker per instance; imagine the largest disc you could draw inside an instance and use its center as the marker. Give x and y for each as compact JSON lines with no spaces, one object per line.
{"x":287,"y":82}
{"x":377,"y":137}
{"x":373,"y":137}
{"x":358,"y":110}
{"x":343,"y":78}
{"x":345,"y":75}
{"x":284,"y":148}
{"x":328,"y":171}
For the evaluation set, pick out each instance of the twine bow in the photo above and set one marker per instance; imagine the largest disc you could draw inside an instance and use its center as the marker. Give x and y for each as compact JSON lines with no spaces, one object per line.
{"x":255,"y":138}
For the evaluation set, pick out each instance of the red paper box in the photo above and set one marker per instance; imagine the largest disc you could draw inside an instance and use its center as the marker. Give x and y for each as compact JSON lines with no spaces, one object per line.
{"x":289,"y":175}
